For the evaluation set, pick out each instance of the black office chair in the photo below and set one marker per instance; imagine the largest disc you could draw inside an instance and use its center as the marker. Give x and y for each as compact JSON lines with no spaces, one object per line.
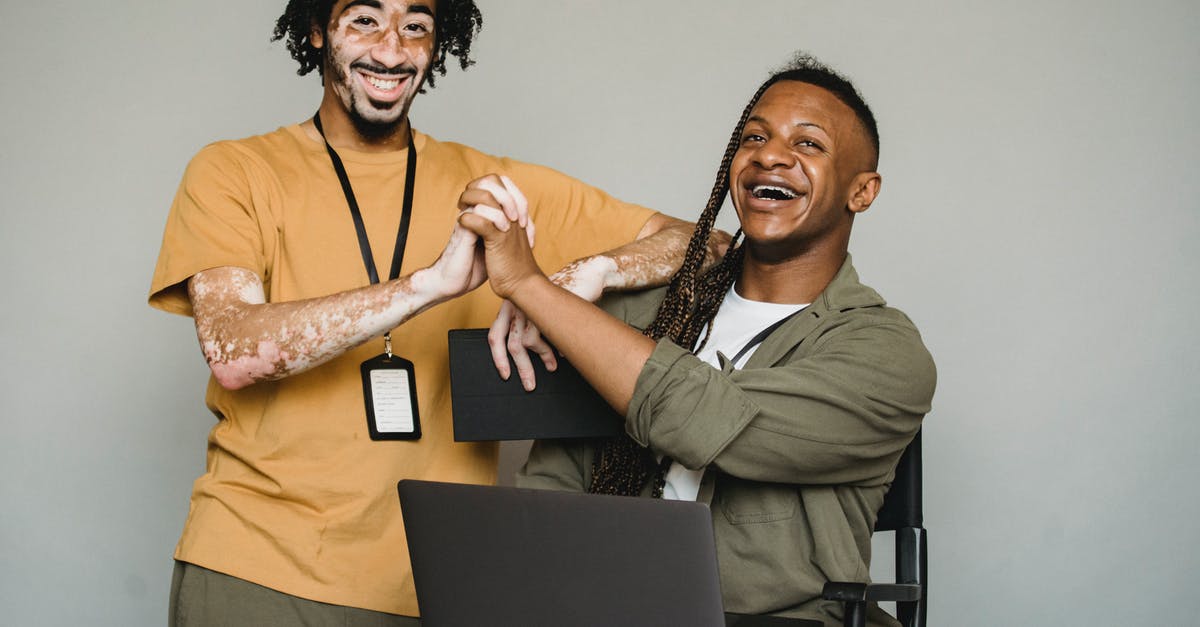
{"x":901,"y":513}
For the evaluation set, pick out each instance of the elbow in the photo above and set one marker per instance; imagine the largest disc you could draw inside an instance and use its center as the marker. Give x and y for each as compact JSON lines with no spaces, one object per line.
{"x":662,"y":222}
{"x":230,"y":376}
{"x":234,"y":371}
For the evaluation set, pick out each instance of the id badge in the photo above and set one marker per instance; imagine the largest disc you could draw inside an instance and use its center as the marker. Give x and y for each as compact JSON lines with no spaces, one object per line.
{"x":390,"y":392}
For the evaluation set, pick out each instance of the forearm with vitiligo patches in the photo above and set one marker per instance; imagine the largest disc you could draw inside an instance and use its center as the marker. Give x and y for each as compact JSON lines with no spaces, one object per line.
{"x":652,"y":260}
{"x":246,"y":340}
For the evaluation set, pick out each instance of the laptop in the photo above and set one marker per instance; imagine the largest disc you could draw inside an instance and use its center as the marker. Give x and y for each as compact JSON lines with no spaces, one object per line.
{"x":486,"y":407}
{"x":501,"y":556}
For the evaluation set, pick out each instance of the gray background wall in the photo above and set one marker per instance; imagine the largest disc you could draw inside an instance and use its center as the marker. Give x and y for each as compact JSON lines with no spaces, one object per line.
{"x":1037,"y":221}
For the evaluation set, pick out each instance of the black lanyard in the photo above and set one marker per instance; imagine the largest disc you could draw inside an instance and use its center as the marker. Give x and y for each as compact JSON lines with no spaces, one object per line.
{"x":762,"y":335}
{"x":363,"y":243}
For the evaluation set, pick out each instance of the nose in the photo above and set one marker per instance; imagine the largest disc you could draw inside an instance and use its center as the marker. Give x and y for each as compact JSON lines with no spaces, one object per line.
{"x":389,"y":50}
{"x":773,"y":153}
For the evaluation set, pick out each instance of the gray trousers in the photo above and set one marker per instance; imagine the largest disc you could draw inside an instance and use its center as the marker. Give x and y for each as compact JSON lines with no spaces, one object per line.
{"x":205,"y":598}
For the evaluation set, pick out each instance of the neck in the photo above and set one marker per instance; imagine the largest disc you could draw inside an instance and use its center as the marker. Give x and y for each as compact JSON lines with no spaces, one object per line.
{"x":342,"y":133}
{"x":795,"y":280}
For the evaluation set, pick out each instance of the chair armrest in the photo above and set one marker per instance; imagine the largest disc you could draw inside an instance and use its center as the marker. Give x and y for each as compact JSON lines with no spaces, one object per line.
{"x":875,"y":592}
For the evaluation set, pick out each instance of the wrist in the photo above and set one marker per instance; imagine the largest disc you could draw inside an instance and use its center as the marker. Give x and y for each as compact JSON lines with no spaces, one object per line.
{"x":525,"y":288}
{"x":428,"y":288}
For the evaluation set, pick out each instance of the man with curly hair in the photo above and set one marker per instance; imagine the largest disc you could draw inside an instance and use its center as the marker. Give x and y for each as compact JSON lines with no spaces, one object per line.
{"x":271,"y":245}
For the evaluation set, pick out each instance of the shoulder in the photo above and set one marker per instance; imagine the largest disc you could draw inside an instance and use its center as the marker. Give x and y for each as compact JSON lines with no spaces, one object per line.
{"x":872,"y":333}
{"x":851,"y":325}
{"x":259,"y":154}
{"x":848,"y":302}
{"x":878,"y":329}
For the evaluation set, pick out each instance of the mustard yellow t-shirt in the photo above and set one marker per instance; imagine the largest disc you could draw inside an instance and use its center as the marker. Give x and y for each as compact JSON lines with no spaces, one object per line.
{"x":296,"y":496}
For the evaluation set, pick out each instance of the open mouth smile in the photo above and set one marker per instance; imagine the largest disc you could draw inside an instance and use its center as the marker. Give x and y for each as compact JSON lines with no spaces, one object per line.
{"x":382,"y":84}
{"x":773,"y":192}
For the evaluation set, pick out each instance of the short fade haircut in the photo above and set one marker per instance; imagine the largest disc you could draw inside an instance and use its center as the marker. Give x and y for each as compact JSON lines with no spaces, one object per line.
{"x":805,"y":68}
{"x":456,"y":23}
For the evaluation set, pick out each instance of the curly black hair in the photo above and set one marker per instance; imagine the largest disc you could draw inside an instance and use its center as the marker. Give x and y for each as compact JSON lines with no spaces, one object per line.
{"x":693,"y":297}
{"x":456,"y":23}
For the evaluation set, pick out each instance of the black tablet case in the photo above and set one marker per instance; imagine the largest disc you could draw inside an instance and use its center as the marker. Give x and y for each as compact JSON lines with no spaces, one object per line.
{"x":487,"y":407}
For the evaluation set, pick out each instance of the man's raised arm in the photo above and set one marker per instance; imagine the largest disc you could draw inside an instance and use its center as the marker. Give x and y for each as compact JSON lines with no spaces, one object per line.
{"x":246,"y":339}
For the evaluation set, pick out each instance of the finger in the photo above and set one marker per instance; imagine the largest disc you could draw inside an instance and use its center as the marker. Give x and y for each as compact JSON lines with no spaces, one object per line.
{"x":507,"y":202}
{"x":475,"y":196}
{"x":487,"y":214}
{"x":480,"y":225}
{"x":522,"y":204}
{"x":519,"y":355}
{"x":497,"y":336}
{"x":533,"y":340}
{"x":495,"y":216}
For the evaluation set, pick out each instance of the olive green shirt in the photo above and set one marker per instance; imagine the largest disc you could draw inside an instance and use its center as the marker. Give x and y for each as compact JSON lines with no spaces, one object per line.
{"x":799,"y":446}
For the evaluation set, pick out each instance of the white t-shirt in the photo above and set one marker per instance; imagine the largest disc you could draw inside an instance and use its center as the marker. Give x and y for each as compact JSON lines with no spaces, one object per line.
{"x":735,"y":325}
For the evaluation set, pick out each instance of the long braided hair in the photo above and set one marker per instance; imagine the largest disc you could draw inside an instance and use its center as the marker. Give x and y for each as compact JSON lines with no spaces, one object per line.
{"x":623,"y":466}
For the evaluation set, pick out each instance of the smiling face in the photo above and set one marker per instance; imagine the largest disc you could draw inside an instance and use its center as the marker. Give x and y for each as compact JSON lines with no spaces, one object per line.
{"x":377,"y":54}
{"x":802,"y":170}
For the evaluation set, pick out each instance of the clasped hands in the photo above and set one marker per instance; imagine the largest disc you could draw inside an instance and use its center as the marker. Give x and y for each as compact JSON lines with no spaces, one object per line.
{"x":489,"y":208}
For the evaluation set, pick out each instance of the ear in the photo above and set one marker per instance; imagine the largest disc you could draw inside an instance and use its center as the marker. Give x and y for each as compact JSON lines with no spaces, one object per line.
{"x":863,"y":191}
{"x":317,"y":36}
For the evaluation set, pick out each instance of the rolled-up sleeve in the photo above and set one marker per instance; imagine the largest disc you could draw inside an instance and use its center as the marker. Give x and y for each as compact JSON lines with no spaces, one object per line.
{"x":839,"y":414}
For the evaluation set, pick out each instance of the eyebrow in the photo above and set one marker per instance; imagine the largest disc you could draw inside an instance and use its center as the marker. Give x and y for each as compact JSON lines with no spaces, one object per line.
{"x":420,"y":8}
{"x":761,"y":120}
{"x":376,"y":4}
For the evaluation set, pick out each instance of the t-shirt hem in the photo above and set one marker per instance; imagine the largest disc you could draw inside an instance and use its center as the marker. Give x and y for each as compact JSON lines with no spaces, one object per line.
{"x":318,"y":594}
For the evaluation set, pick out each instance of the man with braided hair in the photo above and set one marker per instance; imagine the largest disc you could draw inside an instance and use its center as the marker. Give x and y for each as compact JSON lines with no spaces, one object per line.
{"x":776,"y":387}
{"x":271,"y":245}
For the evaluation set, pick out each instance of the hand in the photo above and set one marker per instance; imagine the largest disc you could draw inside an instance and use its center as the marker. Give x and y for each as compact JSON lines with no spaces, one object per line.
{"x":461,"y":268}
{"x":499,"y":192}
{"x":513,"y":334}
{"x":507,"y":252}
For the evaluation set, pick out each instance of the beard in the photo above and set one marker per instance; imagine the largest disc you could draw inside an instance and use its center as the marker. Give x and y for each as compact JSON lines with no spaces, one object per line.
{"x":374,"y":129}
{"x":373,"y":120}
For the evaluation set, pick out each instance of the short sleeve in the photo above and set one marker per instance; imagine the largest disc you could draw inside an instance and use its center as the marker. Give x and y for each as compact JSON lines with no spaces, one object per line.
{"x":215,"y":220}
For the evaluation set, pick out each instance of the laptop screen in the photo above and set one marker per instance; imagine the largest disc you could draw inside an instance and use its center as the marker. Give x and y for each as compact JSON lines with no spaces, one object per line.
{"x":512,"y":556}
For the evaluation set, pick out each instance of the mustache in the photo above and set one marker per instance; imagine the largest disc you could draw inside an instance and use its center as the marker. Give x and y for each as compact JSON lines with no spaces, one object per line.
{"x":399,"y":70}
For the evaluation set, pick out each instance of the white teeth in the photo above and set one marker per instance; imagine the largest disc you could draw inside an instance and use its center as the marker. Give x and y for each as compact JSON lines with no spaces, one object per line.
{"x":772,"y":191}
{"x":382,"y":84}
